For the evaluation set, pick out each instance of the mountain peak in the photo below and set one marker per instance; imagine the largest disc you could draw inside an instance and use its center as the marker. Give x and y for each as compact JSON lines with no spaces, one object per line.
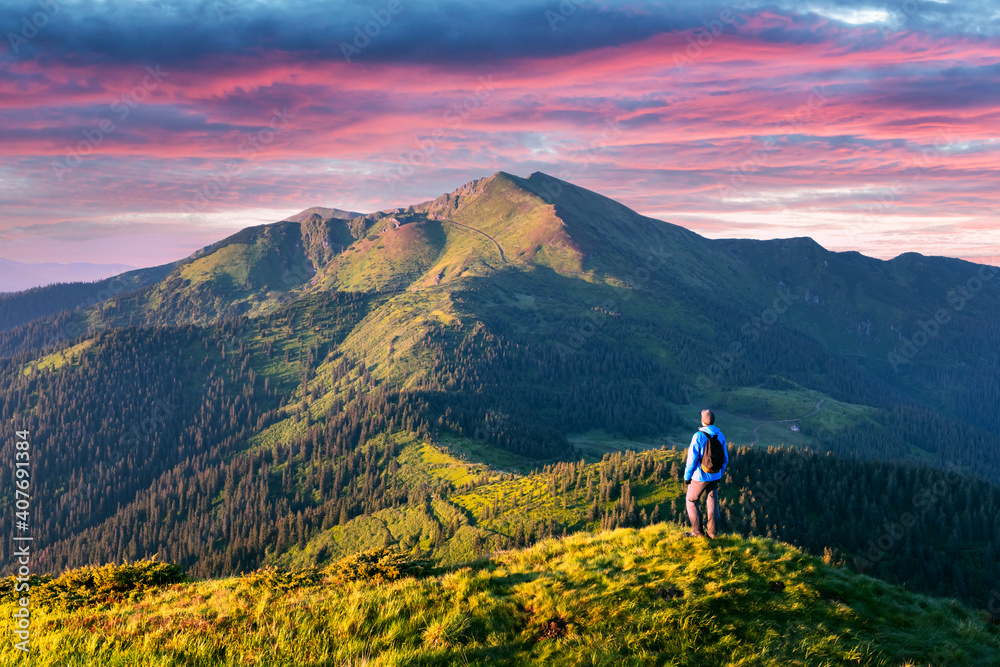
{"x":323,"y":213}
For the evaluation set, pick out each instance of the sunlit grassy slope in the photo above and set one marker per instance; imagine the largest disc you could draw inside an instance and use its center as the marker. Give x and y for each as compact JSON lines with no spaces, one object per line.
{"x":59,"y":359}
{"x":628,"y":597}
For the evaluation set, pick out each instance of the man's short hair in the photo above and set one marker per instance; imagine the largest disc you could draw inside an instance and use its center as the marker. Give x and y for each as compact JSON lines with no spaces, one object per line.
{"x":707,"y":417}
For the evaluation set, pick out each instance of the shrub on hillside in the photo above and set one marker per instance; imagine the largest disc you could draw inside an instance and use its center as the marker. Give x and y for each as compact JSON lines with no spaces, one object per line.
{"x":279,"y":578}
{"x":106,"y":584}
{"x":377,"y":565}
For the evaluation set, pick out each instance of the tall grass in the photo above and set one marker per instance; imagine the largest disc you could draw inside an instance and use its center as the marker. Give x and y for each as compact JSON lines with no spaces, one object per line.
{"x":629,"y":597}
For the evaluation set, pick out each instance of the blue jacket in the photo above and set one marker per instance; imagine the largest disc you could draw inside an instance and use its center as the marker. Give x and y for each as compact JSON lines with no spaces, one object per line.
{"x":693,"y":469}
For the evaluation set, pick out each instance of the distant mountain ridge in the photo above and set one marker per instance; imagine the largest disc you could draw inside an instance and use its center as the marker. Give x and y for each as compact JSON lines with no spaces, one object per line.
{"x":539,"y":221}
{"x":545,"y":243}
{"x":20,"y":276}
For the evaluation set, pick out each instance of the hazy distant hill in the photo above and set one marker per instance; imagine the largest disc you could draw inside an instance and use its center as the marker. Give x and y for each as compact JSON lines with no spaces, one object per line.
{"x":18,"y":276}
{"x":42,"y":304}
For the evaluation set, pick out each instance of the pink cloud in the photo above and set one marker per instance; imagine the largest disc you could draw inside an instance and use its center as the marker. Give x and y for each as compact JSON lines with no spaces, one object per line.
{"x":743,"y":124}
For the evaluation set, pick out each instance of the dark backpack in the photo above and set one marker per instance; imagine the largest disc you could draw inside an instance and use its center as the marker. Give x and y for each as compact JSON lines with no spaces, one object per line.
{"x":715,"y":454}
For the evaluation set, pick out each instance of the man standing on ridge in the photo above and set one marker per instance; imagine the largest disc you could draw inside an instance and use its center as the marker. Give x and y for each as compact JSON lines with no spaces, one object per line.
{"x":706,"y":464}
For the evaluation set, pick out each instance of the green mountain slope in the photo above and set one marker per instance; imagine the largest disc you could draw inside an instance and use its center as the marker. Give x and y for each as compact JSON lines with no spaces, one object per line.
{"x":629,"y":597}
{"x":548,"y":266}
{"x":44,"y":302}
{"x":280,"y":395}
{"x":246,"y":274}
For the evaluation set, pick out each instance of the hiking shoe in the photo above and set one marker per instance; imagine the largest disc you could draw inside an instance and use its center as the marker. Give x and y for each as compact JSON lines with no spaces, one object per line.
{"x":692,"y":535}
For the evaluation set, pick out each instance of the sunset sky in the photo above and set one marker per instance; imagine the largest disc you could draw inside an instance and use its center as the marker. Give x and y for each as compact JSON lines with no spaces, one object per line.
{"x":136,"y":132}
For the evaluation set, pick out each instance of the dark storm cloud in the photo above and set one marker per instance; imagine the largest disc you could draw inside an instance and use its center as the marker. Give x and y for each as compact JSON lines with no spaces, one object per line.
{"x":186,"y":32}
{"x":176,"y":32}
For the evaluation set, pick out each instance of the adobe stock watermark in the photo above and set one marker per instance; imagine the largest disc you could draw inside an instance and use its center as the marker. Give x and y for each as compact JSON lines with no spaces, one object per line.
{"x":703,"y":38}
{"x":112,"y":288}
{"x":453,"y":118}
{"x":993,"y":604}
{"x":22,"y":539}
{"x":930,"y":328}
{"x":756,"y":158}
{"x":750,"y":333}
{"x":769,"y":489}
{"x":566,"y":8}
{"x":893,"y":532}
{"x":552,"y":190}
{"x":888,"y":196}
{"x":301,"y":272}
{"x":597,"y":316}
{"x":32,"y":24}
{"x":597,"y":145}
{"x":907,"y":8}
{"x":120,"y":108}
{"x":152,"y":423}
{"x":381,"y":18}
{"x":226,"y":8}
{"x":248,"y":150}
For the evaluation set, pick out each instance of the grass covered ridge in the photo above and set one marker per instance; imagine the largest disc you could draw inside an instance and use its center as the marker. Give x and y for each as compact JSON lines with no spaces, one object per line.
{"x":628,"y":597}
